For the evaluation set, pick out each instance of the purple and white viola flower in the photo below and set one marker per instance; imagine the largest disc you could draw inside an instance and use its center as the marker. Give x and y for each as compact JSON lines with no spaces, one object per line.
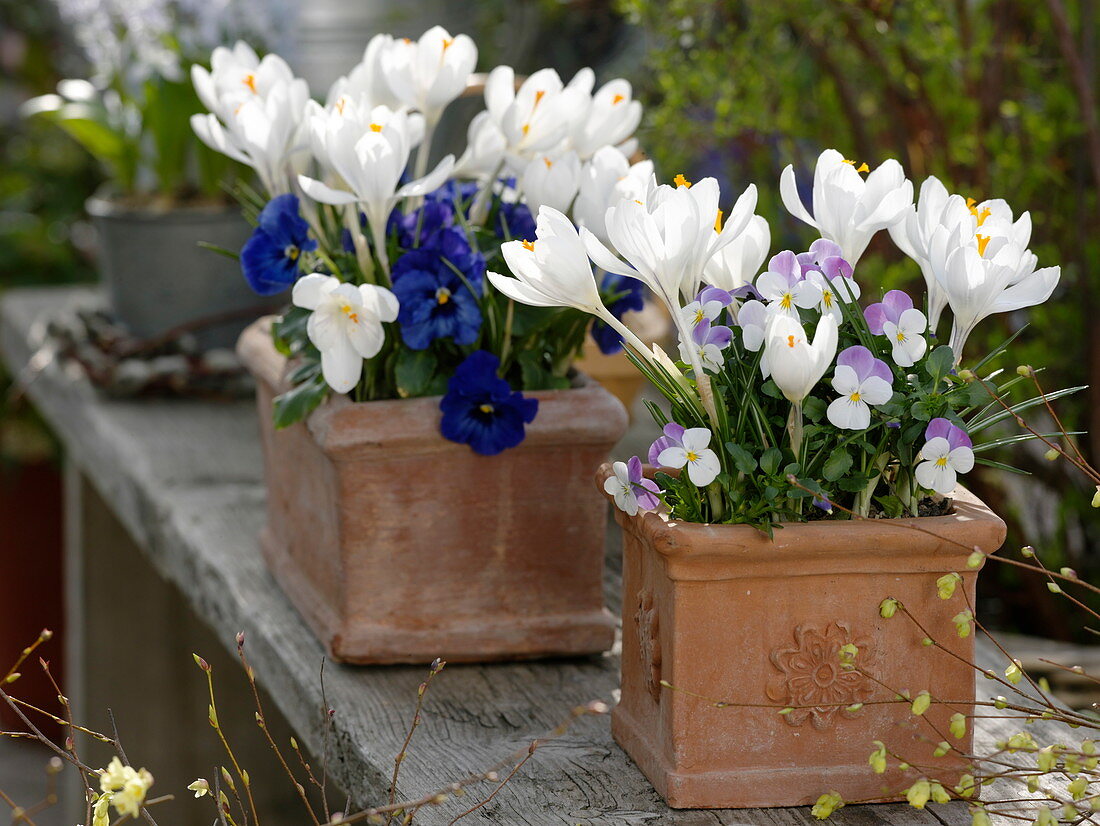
{"x":752,"y":318}
{"x":784,"y":286}
{"x":863,"y":381}
{"x":897,"y":319}
{"x":947,"y":452}
{"x":630,"y":489}
{"x":834,"y":278}
{"x":680,"y":447}
{"x":708,"y":305}
{"x":707,"y":342}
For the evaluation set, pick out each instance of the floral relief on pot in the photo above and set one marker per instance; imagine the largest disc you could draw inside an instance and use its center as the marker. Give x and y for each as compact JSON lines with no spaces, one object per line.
{"x":649,"y":643}
{"x":813,"y":682}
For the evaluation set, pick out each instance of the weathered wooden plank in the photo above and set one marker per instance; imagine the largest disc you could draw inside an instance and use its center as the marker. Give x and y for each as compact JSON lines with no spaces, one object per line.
{"x":184,"y":478}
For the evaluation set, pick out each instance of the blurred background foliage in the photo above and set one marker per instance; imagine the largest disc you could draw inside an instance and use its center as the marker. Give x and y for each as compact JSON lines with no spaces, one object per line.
{"x":997,"y":98}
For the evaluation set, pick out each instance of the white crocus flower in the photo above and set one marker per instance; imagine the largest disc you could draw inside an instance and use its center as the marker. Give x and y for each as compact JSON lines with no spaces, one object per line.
{"x":737,"y":263}
{"x":370,"y":164}
{"x":551,"y":180}
{"x":485,"y":147}
{"x":554,"y":271}
{"x":607,"y":179}
{"x":256,"y":114}
{"x":609,"y":117}
{"x":694,"y":453}
{"x":366,"y":82}
{"x":906,"y":337}
{"x":345,"y":324}
{"x":797,"y":364}
{"x":942,"y":464}
{"x":849,"y":210}
{"x":537,"y":116}
{"x":979,"y":286}
{"x":429,"y":73}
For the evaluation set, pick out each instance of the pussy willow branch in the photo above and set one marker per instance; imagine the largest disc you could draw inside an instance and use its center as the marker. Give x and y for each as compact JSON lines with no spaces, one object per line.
{"x":70,"y":739}
{"x":501,"y":785}
{"x":44,"y":635}
{"x":436,"y":666}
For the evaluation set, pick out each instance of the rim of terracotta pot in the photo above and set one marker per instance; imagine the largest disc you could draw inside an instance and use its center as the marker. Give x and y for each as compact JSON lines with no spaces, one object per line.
{"x":583,"y":415}
{"x":912,"y":542}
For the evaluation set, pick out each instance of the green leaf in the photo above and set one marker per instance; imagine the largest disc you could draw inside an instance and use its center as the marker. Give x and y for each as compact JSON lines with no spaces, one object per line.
{"x":742,"y":459}
{"x":814,"y":409}
{"x":414,"y":372}
{"x":921,"y":411}
{"x":770,"y":459}
{"x":297,"y":403}
{"x":853,"y":484}
{"x":837,"y":465}
{"x":939,"y":363}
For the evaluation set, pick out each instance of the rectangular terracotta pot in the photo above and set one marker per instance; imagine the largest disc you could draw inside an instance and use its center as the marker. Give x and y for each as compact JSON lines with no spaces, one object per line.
{"x":399,"y":546}
{"x":724,"y":612}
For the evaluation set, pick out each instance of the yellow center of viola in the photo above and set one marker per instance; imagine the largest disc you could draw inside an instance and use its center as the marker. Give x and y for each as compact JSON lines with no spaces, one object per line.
{"x":486,"y":408}
{"x":680,"y":180}
{"x":692,"y":456}
{"x":250,"y":82}
{"x":941,"y":462}
{"x":855,"y":396}
{"x":786,"y":302}
{"x":718,"y":221}
{"x":790,"y":342}
{"x":983,"y":242}
{"x":347,"y":310}
{"x":528,"y":245}
{"x":699,"y":316}
{"x":376,"y":127}
{"x":292,"y":252}
{"x":900,"y":336}
{"x":827,"y":298}
{"x":442,"y":295}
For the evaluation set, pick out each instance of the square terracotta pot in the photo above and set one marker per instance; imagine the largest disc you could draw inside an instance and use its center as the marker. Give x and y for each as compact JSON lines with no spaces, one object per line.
{"x":398,"y":546}
{"x":723,"y":612}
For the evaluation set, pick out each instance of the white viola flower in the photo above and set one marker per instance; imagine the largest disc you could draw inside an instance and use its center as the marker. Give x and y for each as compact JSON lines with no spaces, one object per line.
{"x":862,"y":381}
{"x":668,"y":237}
{"x":485,"y":147}
{"x":978,"y":286}
{"x":783,"y":286}
{"x":837,"y":286}
{"x":848,"y":209}
{"x":345,"y":324}
{"x":551,"y":180}
{"x":737,"y":263}
{"x":752,"y":318}
{"x":369,"y":163}
{"x":607,"y":178}
{"x":692,"y":451}
{"x":631,"y":490}
{"x":706,"y":345}
{"x":537,"y":116}
{"x":607,"y":118}
{"x":366,"y":82}
{"x":902,"y":324}
{"x":708,"y":305}
{"x":259,"y":124}
{"x":947,"y":452}
{"x":429,"y":73}
{"x":796,"y":363}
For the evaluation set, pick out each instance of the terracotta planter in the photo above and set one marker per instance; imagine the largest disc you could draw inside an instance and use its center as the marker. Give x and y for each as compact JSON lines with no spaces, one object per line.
{"x":397,"y":545}
{"x":724,"y":612}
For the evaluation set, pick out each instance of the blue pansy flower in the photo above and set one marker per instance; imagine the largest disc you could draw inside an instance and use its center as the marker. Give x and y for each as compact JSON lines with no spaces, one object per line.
{"x":435,"y":303}
{"x":621,"y":295}
{"x":481,"y":410}
{"x":514,"y":222}
{"x":454,"y":193}
{"x":269,"y":259}
{"x":419,"y":227}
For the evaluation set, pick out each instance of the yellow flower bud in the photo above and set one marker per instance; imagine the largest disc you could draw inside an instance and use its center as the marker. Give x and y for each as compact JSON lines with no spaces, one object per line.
{"x":962,"y":622}
{"x":921,"y":703}
{"x":889,"y":606}
{"x":1078,"y":787}
{"x":940,"y":794}
{"x":1013,"y":673}
{"x":975,"y":560}
{"x":877,"y":760}
{"x":1024,"y":370}
{"x":979,"y":817}
{"x":919,"y":793}
{"x":943,"y":748}
{"x":958,"y":725}
{"x":945,"y":585}
{"x":1051,"y":454}
{"x":826,"y":805}
{"x":966,"y":786}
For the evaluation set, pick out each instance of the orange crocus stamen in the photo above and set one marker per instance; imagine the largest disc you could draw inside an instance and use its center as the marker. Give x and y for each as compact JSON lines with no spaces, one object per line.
{"x":528,"y":245}
{"x":983,"y":242}
{"x":790,"y":342}
{"x":718,"y":222}
{"x":680,"y":180}
{"x":549,"y":163}
{"x":376,"y":127}
{"x":617,"y":99}
{"x":250,"y":82}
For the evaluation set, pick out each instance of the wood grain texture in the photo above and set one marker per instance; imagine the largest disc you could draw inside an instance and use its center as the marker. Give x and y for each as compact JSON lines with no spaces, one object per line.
{"x":184,"y":478}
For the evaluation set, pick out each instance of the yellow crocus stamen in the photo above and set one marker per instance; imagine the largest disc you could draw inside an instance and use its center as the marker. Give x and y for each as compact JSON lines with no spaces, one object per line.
{"x":680,"y":180}
{"x":692,"y":456}
{"x":790,"y":342}
{"x":617,"y":99}
{"x":971,"y":204}
{"x":447,"y":43}
{"x":639,"y":203}
{"x":863,"y":167}
{"x":983,"y":242}
{"x":718,"y":221}
{"x":376,"y":127}
{"x":538,"y":96}
{"x":549,"y":163}
{"x":250,"y":82}
{"x":486,"y":408}
{"x":341,"y":103}
{"x":350,"y":313}
{"x":528,"y":245}
{"x":526,"y":129}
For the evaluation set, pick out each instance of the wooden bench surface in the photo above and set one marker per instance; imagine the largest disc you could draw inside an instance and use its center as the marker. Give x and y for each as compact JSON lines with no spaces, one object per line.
{"x":184,"y":477}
